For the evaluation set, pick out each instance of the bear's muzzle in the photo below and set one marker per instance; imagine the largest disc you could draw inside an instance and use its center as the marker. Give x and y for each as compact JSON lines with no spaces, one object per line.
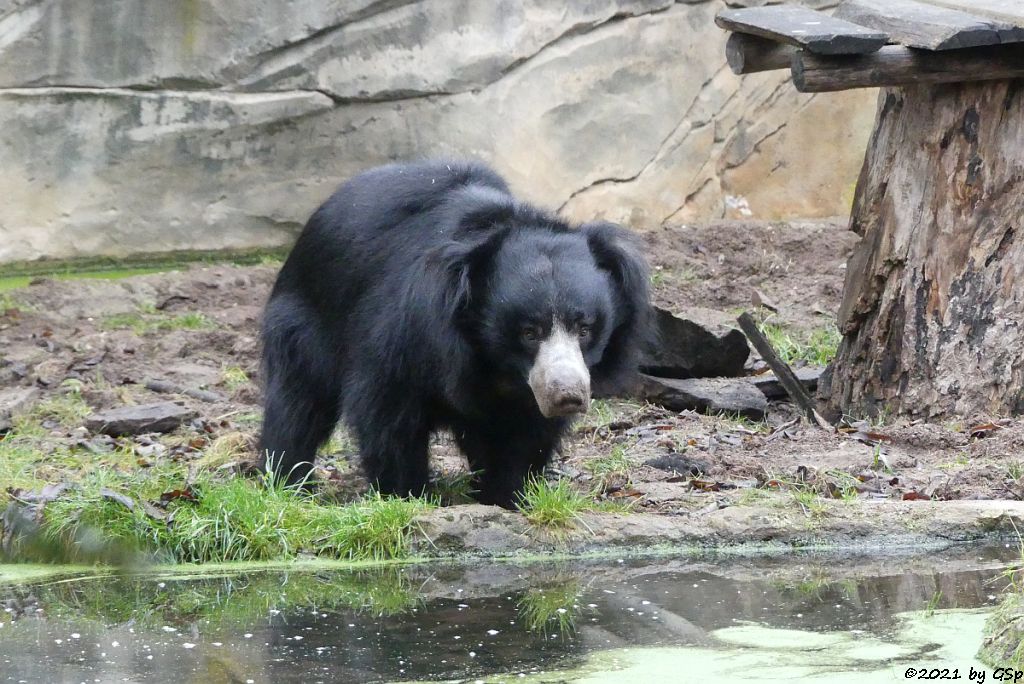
{"x":559,"y":378}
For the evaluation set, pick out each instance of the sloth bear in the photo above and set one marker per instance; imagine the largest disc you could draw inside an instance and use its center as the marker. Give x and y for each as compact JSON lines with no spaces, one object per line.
{"x":422,"y":297}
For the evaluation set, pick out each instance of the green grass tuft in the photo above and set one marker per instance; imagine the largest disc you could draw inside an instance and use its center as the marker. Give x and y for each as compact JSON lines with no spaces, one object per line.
{"x":616,"y":462}
{"x":234,"y":378}
{"x":69,"y":409}
{"x":817,"y":348}
{"x":452,"y":488}
{"x":555,"y":506}
{"x":376,"y":528}
{"x":9,"y":302}
{"x":148,"y":320}
{"x":230,"y":519}
{"x":734,"y":420}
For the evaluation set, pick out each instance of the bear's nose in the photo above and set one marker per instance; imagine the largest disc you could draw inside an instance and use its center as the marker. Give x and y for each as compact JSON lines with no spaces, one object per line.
{"x":568,"y":404}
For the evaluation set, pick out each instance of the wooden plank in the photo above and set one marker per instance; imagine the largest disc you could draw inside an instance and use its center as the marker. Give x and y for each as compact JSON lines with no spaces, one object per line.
{"x":1011,"y":11}
{"x":813,"y":31}
{"x":896,"y":65}
{"x":916,"y":24}
{"x":749,"y":54}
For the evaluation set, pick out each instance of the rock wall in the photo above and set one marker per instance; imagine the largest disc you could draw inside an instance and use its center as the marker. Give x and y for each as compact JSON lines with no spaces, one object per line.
{"x":143,"y":126}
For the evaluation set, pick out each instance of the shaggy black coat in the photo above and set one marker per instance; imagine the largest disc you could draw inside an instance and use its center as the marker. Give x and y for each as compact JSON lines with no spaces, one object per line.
{"x":400,"y":309}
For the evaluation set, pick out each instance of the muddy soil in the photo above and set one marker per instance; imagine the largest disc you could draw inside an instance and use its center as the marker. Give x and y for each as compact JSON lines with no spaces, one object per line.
{"x":108,"y":338}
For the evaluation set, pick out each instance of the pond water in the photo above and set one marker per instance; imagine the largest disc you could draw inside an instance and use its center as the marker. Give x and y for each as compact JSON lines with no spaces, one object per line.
{"x":783,"y":618}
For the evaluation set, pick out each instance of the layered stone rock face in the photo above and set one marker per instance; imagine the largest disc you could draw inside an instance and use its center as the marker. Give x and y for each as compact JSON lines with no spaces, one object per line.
{"x":138,"y":126}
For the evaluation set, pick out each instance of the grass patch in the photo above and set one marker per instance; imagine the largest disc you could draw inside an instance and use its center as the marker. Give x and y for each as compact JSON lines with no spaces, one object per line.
{"x":753,"y":497}
{"x":553,"y":505}
{"x":8,"y":301}
{"x":604,"y":412}
{"x":809,"y":501}
{"x":234,"y":378}
{"x":340,"y":442}
{"x":109,"y":511}
{"x":817,"y":347}
{"x":114,"y":267}
{"x":69,"y":409}
{"x":452,"y":488}
{"x":615,"y":463}
{"x":376,"y":528}
{"x":737,"y":421}
{"x":227,"y":448}
{"x":666,"y":276}
{"x":1004,"y":635}
{"x":248,"y":419}
{"x":147,"y":321}
{"x":14,"y":282}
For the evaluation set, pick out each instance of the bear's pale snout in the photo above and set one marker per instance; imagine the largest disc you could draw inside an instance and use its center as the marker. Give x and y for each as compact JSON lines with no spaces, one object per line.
{"x":559,"y":378}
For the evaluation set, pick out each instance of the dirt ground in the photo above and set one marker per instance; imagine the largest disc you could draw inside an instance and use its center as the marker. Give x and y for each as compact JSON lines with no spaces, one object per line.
{"x":197,"y":329}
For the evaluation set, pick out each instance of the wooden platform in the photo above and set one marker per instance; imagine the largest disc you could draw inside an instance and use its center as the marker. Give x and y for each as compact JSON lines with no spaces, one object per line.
{"x":869,"y":43}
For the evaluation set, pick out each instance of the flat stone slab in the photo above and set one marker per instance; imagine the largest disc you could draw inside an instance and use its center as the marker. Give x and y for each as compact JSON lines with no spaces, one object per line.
{"x":486,"y":531}
{"x":136,"y":420}
{"x":920,"y":25}
{"x":813,"y":31}
{"x":682,"y":348}
{"x":773,"y":389}
{"x":709,"y":395}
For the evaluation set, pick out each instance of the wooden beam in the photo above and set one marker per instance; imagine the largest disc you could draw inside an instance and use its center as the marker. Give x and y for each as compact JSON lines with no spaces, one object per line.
{"x":895,"y":65}
{"x":749,"y":54}
{"x":1011,"y":11}
{"x":805,"y":28}
{"x":916,"y":24}
{"x":794,"y":388}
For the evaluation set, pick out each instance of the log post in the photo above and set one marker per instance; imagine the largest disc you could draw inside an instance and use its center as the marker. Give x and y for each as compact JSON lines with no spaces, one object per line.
{"x":747,"y":54}
{"x":933,"y":307}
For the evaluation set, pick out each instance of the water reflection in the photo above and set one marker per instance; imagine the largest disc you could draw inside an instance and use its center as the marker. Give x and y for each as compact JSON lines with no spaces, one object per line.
{"x":453,"y":622}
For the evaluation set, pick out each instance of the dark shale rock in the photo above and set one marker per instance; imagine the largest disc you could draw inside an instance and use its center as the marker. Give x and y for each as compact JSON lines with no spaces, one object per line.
{"x":136,"y":420}
{"x":772,"y":388}
{"x":684,"y":349}
{"x":710,"y":395}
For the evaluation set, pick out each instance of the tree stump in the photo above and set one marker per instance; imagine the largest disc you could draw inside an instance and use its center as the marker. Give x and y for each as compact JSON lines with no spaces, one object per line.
{"x":933,"y":306}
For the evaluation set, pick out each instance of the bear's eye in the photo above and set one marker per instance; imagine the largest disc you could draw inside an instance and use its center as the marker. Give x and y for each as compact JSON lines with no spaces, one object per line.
{"x":583,"y":331}
{"x":530,"y":333}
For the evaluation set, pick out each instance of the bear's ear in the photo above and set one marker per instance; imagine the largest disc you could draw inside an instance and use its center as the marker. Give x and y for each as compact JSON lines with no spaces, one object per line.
{"x":616,"y":250}
{"x":481,"y":216}
{"x":479,"y":208}
{"x":464,"y":265}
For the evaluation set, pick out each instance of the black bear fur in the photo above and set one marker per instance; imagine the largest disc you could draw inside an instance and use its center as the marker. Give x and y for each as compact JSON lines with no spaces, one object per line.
{"x":402,"y":307}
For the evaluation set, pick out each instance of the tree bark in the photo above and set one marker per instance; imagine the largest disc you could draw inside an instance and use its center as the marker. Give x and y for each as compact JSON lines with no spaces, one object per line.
{"x":933,"y":307}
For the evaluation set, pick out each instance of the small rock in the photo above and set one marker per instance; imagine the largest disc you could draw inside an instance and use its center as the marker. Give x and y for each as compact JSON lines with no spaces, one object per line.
{"x":15,"y":401}
{"x":663,"y":492}
{"x":679,"y":464}
{"x":760,"y":299}
{"x":684,"y":349}
{"x":773,"y":389}
{"x":711,"y":395}
{"x":135,"y":420}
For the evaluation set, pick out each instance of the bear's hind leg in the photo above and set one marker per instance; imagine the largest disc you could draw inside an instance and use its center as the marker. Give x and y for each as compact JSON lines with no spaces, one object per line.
{"x":302,"y":403}
{"x":295,"y":424}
